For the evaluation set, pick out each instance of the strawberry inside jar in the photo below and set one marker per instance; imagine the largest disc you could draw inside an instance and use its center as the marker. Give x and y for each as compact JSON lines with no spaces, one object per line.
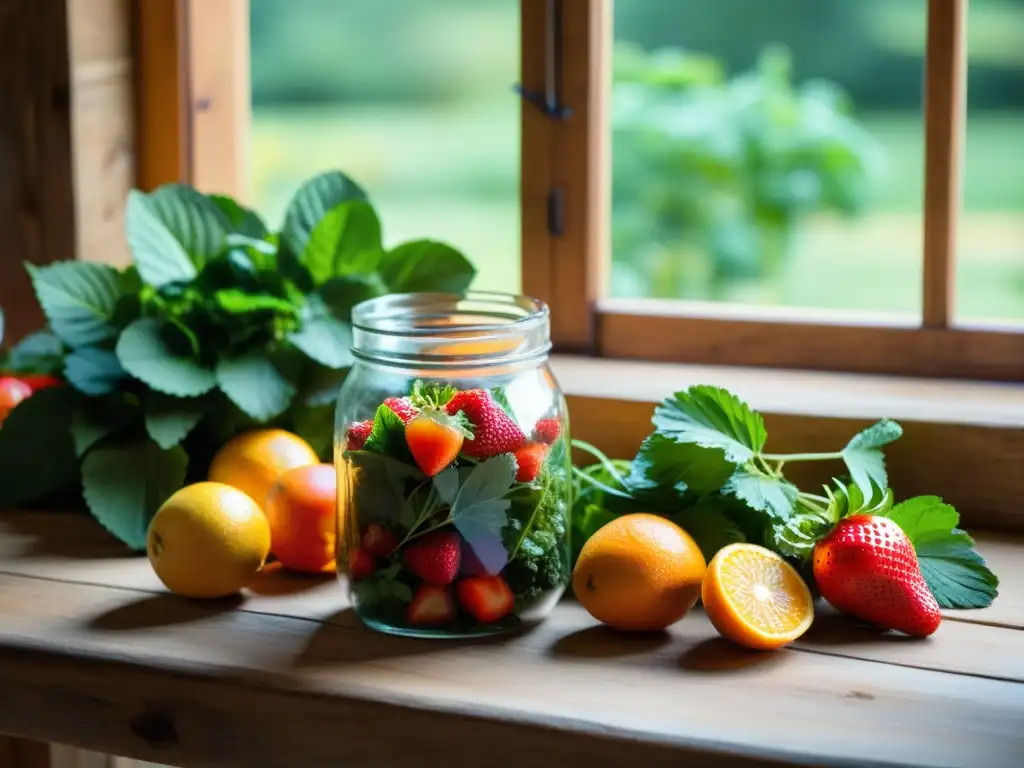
{"x":453,"y":463}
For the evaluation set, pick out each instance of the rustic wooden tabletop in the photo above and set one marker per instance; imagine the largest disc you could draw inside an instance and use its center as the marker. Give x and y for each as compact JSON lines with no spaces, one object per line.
{"x":94,"y":653}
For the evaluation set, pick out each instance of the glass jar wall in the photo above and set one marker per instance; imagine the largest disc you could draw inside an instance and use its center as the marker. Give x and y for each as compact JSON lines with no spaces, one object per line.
{"x":454,"y":475}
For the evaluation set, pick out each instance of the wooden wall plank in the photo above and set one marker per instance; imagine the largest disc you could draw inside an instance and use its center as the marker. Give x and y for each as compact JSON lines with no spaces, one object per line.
{"x":36,"y":194}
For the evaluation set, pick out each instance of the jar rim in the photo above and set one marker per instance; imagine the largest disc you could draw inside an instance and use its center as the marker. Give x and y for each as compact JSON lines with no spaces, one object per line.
{"x":438,"y":329}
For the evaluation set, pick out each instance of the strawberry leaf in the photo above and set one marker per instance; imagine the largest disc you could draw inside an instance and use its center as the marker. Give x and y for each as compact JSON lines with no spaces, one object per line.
{"x":772,"y":495}
{"x":864,"y":458}
{"x":712,"y":418}
{"x":954,"y":572}
{"x":666,"y":463}
{"x":709,"y":524}
{"x":446,"y":483}
{"x":388,"y":435}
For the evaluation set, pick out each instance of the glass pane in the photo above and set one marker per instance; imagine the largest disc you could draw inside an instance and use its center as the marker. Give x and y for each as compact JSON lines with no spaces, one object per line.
{"x":777,"y":161}
{"x":413,"y":99}
{"x":990,"y":267}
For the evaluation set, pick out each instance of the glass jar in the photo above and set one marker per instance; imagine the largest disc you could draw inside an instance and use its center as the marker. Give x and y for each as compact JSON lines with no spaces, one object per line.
{"x":454,"y":474}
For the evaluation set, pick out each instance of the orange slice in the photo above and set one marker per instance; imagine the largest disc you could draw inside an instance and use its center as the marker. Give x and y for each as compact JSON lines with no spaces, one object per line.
{"x":755,"y":598}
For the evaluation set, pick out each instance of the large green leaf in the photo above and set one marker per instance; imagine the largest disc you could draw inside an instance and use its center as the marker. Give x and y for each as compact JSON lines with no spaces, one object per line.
{"x":79,"y":299}
{"x":710,"y":525}
{"x":866,"y":461}
{"x":255,"y":385}
{"x":773,"y":495}
{"x":37,"y":454}
{"x":668,"y":463}
{"x":125,"y":485}
{"x":712,"y":417}
{"x":241,"y":219}
{"x":158,"y":255}
{"x":346,"y":240}
{"x":170,"y":419}
{"x":426,"y":265}
{"x":39,"y":352}
{"x":93,"y":370}
{"x":193,"y":219}
{"x":323,"y":337}
{"x":311,"y":203}
{"x":480,"y":510}
{"x":95,"y":418}
{"x":340,"y":294}
{"x":145,"y":354}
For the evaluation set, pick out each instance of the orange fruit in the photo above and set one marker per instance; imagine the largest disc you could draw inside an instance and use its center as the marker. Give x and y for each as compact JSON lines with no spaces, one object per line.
{"x":301,"y":509}
{"x":208,"y":540}
{"x":253,"y":461}
{"x":755,"y":598}
{"x":639,"y":573}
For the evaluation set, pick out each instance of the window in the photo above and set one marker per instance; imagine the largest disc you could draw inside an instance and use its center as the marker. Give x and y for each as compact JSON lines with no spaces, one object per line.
{"x":729,"y":250}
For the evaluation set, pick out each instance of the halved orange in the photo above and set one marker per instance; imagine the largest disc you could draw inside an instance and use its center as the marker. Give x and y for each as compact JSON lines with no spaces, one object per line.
{"x":755,"y":598}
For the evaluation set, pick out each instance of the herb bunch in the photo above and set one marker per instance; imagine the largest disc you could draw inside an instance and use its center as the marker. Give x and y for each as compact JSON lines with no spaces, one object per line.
{"x":220,"y":324}
{"x":705,"y":466}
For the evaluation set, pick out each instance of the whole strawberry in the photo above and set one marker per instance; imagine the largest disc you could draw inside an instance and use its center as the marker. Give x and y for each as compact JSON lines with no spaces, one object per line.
{"x":435,"y":557}
{"x":494,"y":431}
{"x":547,"y":431}
{"x":529,"y":460}
{"x":356,"y":434}
{"x":402,"y":407}
{"x":435,"y":439}
{"x":867,"y":567}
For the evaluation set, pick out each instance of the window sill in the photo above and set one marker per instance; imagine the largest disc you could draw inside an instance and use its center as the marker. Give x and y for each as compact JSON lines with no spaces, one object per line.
{"x":963,"y":440}
{"x":95,"y":654}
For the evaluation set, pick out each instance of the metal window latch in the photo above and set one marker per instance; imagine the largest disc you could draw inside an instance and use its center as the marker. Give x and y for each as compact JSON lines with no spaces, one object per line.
{"x":550,"y":101}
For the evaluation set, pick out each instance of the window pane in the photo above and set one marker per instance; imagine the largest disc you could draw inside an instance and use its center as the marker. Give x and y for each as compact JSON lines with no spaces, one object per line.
{"x":777,"y":161}
{"x":413,"y":99}
{"x":990,"y":267}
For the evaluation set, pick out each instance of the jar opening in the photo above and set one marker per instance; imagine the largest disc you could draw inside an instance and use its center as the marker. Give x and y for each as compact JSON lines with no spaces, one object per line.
{"x":442,"y":330}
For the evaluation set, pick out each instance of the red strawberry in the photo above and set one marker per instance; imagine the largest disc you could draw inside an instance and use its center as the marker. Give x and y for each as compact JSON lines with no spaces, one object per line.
{"x":378,"y":540}
{"x":494,"y":431}
{"x":360,"y":564}
{"x":405,"y":410}
{"x":435,"y":557}
{"x":867,"y":567}
{"x":530,"y":458}
{"x":12,"y":392}
{"x":356,"y":434}
{"x":431,"y":605}
{"x":487,"y":598}
{"x":547,"y":431}
{"x":435,"y":439}
{"x":37,"y":381}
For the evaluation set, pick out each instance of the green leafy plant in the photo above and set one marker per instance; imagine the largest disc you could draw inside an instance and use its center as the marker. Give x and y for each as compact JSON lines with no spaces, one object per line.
{"x":713,"y":176}
{"x":705,"y":467}
{"x":220,"y":324}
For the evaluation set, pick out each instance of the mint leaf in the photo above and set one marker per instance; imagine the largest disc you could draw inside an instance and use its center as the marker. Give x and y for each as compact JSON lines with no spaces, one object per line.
{"x":146,"y":356}
{"x":772,"y":495}
{"x":235,"y":301}
{"x":709,"y":524}
{"x":954,"y":572}
{"x":315,"y":425}
{"x":323,"y":337}
{"x":39,"y":352}
{"x":241,"y":219}
{"x":124,"y":486}
{"x":170,"y":419}
{"x":312,"y":202}
{"x":93,"y":370}
{"x":666,"y":463}
{"x":446,"y":482}
{"x":194,"y":220}
{"x":388,"y":435}
{"x":426,"y":265}
{"x":37,"y":455}
{"x":322,"y":385}
{"x":864,"y":459}
{"x":255,"y":385}
{"x":712,"y":418}
{"x":79,"y":299}
{"x":158,"y":255}
{"x":479,"y":511}
{"x":96,"y":418}
{"x":341,"y":293}
{"x":346,"y":240}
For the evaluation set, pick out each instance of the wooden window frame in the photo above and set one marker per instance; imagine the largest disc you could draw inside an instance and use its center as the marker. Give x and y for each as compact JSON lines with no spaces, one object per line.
{"x":566,"y":265}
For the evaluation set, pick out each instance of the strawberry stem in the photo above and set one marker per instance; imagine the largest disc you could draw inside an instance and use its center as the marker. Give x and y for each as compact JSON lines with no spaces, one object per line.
{"x":784,"y":457}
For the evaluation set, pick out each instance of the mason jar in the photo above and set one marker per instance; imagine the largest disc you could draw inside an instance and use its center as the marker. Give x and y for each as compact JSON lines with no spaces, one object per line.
{"x":454,"y":474}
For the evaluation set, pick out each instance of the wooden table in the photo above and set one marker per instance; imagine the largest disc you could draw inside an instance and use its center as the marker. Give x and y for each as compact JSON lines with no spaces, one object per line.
{"x":94,"y":653}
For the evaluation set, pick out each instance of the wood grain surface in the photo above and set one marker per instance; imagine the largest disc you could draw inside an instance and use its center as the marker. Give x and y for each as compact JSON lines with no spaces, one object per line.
{"x":94,"y":653}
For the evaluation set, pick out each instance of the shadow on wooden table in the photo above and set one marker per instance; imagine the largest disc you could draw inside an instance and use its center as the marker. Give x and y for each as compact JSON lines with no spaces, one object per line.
{"x":161,"y":611}
{"x":47,"y":534}
{"x":832,"y":628}
{"x":716,"y":655}
{"x":601,"y":642}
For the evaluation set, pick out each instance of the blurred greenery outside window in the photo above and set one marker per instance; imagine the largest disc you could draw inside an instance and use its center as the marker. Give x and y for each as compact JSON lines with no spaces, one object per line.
{"x":774,"y":161}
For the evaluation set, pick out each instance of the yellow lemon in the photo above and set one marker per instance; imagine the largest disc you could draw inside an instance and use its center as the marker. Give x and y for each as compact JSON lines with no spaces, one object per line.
{"x":208,"y":540}
{"x":253,"y":461}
